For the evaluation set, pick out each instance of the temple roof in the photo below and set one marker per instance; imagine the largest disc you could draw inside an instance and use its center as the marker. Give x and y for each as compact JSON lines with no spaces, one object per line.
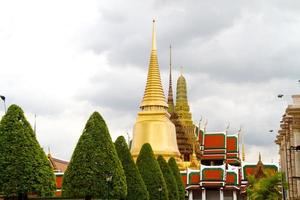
{"x":259,"y":170}
{"x":58,"y":164}
{"x":154,"y":94}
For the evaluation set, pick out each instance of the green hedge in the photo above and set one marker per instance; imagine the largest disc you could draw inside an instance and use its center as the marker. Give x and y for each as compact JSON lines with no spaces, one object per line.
{"x":24,"y":167}
{"x":174,"y":168}
{"x":169,"y":178}
{"x":136,"y":188}
{"x":93,"y":160}
{"x":151,"y":174}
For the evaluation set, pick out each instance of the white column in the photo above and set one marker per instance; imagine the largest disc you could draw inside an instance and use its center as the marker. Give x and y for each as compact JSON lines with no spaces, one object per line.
{"x":234,"y":195}
{"x":221,"y":194}
{"x":203,"y":194}
{"x":191,"y":195}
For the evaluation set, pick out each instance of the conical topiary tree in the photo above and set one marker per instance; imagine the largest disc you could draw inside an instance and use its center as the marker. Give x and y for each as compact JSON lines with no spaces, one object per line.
{"x":176,"y":173}
{"x":136,"y":188}
{"x":93,"y":162}
{"x":151,"y":174}
{"x":24,"y":167}
{"x":169,"y":178}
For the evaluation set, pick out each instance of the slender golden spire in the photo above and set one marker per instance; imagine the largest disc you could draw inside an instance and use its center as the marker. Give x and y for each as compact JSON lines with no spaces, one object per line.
{"x":49,"y":152}
{"x":243,"y":148}
{"x":259,"y":157}
{"x":154,"y":94}
{"x":170,"y":93}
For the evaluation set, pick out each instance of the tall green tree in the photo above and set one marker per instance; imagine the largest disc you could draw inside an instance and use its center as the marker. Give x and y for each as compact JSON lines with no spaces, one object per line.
{"x":151,"y":174}
{"x":94,"y":160}
{"x":268,"y":187}
{"x":169,"y":178}
{"x":175,"y":170}
{"x":24,"y":167}
{"x":136,"y":188}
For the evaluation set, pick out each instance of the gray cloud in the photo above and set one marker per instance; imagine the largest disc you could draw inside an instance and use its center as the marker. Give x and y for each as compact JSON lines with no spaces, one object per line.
{"x":237,"y":56}
{"x":230,"y":41}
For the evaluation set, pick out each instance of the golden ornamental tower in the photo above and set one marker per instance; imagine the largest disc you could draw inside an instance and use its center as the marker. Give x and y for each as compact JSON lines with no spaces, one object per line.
{"x":153,"y":125}
{"x":182,"y":106}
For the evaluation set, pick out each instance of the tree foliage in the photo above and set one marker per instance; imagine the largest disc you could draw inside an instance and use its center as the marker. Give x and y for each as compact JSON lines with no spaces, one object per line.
{"x":268,"y":187}
{"x":169,"y":178}
{"x":176,"y":173}
{"x":136,"y":188}
{"x":24,"y":167}
{"x":93,"y":160}
{"x":151,"y":174}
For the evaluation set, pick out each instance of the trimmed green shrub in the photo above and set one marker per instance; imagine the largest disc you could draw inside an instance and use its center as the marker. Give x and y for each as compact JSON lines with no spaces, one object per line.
{"x":136,"y":188}
{"x":169,"y":178}
{"x":176,"y":173}
{"x":93,"y":161}
{"x":24,"y":167}
{"x":151,"y":174}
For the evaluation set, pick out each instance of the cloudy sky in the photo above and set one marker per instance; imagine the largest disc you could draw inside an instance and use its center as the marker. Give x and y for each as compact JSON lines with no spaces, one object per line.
{"x":64,"y":59}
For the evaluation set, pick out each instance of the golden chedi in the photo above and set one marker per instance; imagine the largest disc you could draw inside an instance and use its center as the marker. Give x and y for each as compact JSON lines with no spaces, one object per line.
{"x":153,"y":125}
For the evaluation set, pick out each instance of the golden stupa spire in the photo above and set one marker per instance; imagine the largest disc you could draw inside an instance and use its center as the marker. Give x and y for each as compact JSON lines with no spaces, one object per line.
{"x":153,"y":123}
{"x":154,"y":94}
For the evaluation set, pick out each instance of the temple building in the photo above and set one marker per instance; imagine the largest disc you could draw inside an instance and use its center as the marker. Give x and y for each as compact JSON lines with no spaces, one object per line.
{"x":59,"y":167}
{"x":210,"y":163}
{"x":288,"y":139}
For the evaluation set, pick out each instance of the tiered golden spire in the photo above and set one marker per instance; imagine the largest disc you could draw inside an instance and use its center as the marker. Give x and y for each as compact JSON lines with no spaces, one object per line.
{"x":154,"y":94}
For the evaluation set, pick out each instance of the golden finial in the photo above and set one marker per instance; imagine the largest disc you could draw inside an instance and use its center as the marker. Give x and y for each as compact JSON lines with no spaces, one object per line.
{"x":49,"y":152}
{"x":243,"y":148}
{"x":181,"y":70}
{"x":259,"y":157}
{"x":154,"y":36}
{"x":205,"y":125}
{"x":194,"y":161}
{"x":227,"y":127}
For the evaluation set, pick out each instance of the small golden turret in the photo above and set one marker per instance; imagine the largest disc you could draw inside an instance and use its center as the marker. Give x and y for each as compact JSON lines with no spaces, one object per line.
{"x":153,"y":125}
{"x":182,"y":106}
